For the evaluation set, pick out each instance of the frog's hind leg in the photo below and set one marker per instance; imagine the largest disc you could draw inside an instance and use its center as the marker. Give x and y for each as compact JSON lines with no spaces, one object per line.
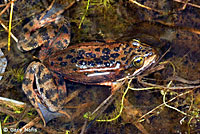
{"x":45,"y":97}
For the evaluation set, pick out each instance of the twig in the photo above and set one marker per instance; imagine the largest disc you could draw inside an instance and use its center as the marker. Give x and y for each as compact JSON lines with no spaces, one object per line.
{"x":12,"y":35}
{"x":7,"y":6}
{"x":28,"y":126}
{"x":8,"y":112}
{"x":194,"y":5}
{"x":84,"y":127}
{"x":141,"y":127}
{"x":164,"y":87}
{"x":176,"y":78}
{"x":146,"y":7}
{"x":140,"y":119}
{"x":12,"y":102}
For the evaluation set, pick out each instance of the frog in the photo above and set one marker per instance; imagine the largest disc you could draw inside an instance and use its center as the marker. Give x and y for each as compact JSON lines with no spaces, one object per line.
{"x":90,"y":63}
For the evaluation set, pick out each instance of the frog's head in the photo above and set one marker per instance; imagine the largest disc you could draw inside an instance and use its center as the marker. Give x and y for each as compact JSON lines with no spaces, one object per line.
{"x":143,"y":57}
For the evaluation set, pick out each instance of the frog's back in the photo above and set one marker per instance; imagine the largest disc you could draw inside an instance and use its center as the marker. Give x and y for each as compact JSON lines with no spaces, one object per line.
{"x":96,"y":62}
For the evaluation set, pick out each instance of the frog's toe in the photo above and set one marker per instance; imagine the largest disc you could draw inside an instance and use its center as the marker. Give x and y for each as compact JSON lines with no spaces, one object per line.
{"x":47,"y":115}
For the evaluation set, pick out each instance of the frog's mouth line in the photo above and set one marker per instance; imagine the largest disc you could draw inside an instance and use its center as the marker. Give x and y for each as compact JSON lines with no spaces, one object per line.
{"x":146,"y":65}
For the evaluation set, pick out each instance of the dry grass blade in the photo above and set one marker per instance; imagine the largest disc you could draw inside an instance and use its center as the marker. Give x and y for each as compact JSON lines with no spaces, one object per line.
{"x":182,"y":80}
{"x":11,"y":102}
{"x":28,"y":126}
{"x":146,"y":7}
{"x":10,"y":23}
{"x":164,"y":87}
{"x":10,"y":20}
{"x":7,"y":6}
{"x":190,"y":4}
{"x":12,"y":35}
{"x":143,"y":117}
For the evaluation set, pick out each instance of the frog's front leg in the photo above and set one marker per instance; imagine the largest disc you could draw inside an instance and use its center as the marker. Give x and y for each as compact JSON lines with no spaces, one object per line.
{"x":45,"y":98}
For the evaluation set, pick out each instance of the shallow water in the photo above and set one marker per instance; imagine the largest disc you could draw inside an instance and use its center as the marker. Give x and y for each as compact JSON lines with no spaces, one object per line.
{"x":122,"y":21}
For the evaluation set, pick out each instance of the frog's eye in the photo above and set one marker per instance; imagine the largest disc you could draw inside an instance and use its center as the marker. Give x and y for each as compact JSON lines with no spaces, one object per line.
{"x":138,"y":61}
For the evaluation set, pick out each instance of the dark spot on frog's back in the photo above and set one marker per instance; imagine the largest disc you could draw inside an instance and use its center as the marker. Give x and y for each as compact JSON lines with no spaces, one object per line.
{"x":74,"y":69}
{"x":105,"y":57}
{"x":143,"y":50}
{"x":79,"y":57}
{"x":126,"y":62}
{"x":69,"y":56}
{"x":52,"y":63}
{"x":107,"y":64}
{"x":72,"y":51}
{"x":80,"y":52}
{"x":90,"y":55}
{"x":116,"y":49}
{"x":127,"y":45}
{"x":125,"y":52}
{"x":60,"y":58}
{"x":114,"y":55}
{"x":93,"y":55}
{"x":82,"y":62}
{"x":112,"y":61}
{"x":106,"y":51}
{"x":130,"y":49}
{"x":73,"y":60}
{"x":91,"y":63}
{"x":97,"y":49}
{"x":123,"y":58}
{"x":98,"y":61}
{"x":63,"y":64}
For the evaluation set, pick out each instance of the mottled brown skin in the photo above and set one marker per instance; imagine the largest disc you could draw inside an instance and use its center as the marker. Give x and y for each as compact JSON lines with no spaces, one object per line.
{"x":94,"y":63}
{"x":50,"y":30}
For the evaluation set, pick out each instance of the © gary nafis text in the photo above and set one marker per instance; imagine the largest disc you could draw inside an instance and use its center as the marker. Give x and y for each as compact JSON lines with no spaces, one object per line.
{"x":21,"y":130}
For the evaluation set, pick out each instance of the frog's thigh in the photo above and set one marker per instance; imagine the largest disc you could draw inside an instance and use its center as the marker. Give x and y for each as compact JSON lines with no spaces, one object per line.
{"x":46,"y":89}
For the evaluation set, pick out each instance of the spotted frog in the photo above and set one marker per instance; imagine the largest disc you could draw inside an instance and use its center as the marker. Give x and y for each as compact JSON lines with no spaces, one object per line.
{"x":92,"y":63}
